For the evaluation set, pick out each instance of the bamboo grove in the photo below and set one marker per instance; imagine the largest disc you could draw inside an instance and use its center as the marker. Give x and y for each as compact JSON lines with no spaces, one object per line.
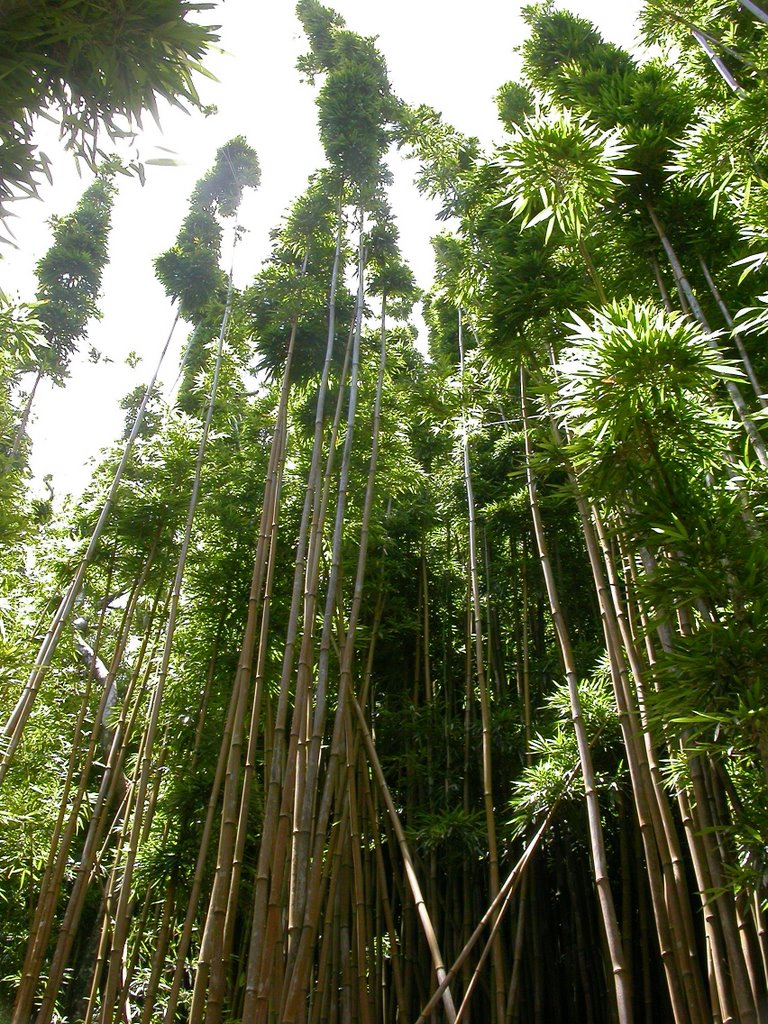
{"x":364,"y":686}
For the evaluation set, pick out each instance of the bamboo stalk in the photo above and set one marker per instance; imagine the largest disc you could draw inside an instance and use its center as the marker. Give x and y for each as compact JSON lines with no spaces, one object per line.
{"x":758,"y":445}
{"x":739,"y":341}
{"x":485,"y":714}
{"x":276,"y":772}
{"x":14,"y":726}
{"x":141,"y":813}
{"x":597,"y":845}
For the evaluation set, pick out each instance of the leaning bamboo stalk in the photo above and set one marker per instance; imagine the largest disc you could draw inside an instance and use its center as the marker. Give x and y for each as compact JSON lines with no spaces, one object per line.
{"x":111,"y":781}
{"x":717,"y":61}
{"x":684,"y":287}
{"x":22,"y":427}
{"x":495,"y":911}
{"x":410,"y":870}
{"x":106,"y":915}
{"x":663,"y":292}
{"x":670,"y":902}
{"x":743,"y":996}
{"x":696,"y":831}
{"x":14,"y":727}
{"x":755,"y":10}
{"x":121,"y":922}
{"x":63,"y":834}
{"x":160,"y":950}
{"x":617,"y":614}
{"x":122,"y":1009}
{"x":97,"y":826}
{"x":515,"y":983}
{"x":111,"y":895}
{"x":278,"y":728}
{"x":485,"y":713}
{"x":738,"y":340}
{"x":386,"y":904}
{"x":597,"y":844}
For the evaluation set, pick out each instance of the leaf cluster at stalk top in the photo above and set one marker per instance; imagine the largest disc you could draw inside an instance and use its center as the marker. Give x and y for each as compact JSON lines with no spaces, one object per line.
{"x":70,"y":274}
{"x":189,"y":271}
{"x":355,"y":102}
{"x":559,"y":168}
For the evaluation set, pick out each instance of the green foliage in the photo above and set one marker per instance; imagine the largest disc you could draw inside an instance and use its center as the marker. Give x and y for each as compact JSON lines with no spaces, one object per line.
{"x":635,"y":390}
{"x":567,"y":58}
{"x":557,"y":38}
{"x":189,"y":271}
{"x":558,"y":169}
{"x":446,"y":157}
{"x":320,"y":25}
{"x":98,"y":64}
{"x":553,"y":776}
{"x":355,"y":102}
{"x":515,"y":102}
{"x":646,"y":435}
{"x":69,"y":276}
{"x":236,"y":168}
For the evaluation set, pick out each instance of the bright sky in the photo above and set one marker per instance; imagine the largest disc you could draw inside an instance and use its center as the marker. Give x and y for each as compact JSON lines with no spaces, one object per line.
{"x":449,"y":54}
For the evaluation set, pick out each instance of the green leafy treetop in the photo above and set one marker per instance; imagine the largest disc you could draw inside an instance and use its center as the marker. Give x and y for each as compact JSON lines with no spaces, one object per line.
{"x":388,"y":275}
{"x":559,"y":168}
{"x":97,"y":63}
{"x":567,"y":58}
{"x":236,"y":168}
{"x":448,"y":159}
{"x":356,"y":105}
{"x":293,"y":285}
{"x":69,"y":276}
{"x":320,"y":25}
{"x":514,"y":102}
{"x":189,"y":271}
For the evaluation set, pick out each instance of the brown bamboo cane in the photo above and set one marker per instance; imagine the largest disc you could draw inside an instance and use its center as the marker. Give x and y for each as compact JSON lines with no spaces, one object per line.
{"x":267,"y":918}
{"x":597,"y":845}
{"x":302,"y":836}
{"x":63,"y":834}
{"x":345,"y":679}
{"x":485,"y":714}
{"x":278,"y":728}
{"x":231,"y":848}
{"x":220,"y":923}
{"x":232,"y":737}
{"x":110,"y":784}
{"x":121,"y":922}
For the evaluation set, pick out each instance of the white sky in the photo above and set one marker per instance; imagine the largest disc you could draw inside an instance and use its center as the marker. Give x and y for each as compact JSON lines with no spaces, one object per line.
{"x":452,"y":55}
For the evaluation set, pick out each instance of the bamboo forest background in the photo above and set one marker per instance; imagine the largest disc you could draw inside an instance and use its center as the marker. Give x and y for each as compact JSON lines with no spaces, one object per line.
{"x":367,"y":686}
